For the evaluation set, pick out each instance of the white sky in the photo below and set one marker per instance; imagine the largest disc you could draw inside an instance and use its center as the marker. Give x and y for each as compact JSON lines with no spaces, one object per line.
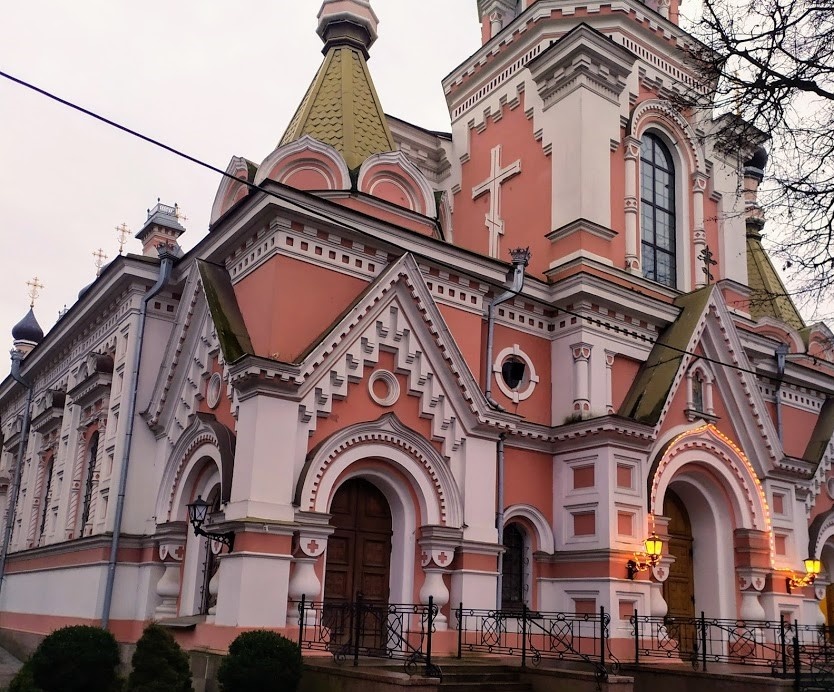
{"x":212,"y":78}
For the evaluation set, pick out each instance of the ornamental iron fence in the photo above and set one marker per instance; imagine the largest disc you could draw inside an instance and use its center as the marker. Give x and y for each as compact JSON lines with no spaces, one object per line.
{"x":350,"y":630}
{"x":788,"y":649}
{"x":534,"y":635}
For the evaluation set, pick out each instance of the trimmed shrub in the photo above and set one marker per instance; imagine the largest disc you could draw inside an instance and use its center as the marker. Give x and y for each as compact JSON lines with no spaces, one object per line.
{"x":263,"y":661}
{"x":23,"y":681}
{"x":159,"y":664}
{"x":79,"y":658}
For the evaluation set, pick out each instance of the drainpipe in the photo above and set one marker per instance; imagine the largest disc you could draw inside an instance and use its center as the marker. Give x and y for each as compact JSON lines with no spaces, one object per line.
{"x":499,"y":521}
{"x":521,"y":258}
{"x":17,"y":357}
{"x":166,"y":256}
{"x":781,"y":356}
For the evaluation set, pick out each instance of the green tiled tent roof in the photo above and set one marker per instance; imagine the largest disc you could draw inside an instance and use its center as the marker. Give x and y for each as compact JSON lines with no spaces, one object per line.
{"x":341,"y":108}
{"x":649,"y":391}
{"x":768,"y":297}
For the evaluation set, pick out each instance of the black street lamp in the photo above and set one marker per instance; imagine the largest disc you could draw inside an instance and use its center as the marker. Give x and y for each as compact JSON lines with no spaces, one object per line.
{"x":197,"y":515}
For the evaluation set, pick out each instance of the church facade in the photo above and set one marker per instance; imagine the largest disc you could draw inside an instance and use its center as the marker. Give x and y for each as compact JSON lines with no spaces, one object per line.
{"x":482,"y":366}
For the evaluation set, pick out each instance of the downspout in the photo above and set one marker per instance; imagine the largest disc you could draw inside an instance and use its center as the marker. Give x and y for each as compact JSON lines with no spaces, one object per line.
{"x":166,"y":256}
{"x":499,"y":521}
{"x":521,"y":258}
{"x":781,"y":356}
{"x":17,"y":357}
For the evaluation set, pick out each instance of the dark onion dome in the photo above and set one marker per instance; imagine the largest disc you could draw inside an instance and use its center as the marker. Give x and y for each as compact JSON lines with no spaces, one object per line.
{"x":28,"y":329}
{"x":759,"y":160}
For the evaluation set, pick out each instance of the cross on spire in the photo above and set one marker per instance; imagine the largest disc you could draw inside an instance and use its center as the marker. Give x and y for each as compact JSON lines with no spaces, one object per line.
{"x":100,"y":257}
{"x":122,"y":232}
{"x":35,"y":287}
{"x":706,"y":257}
{"x":492,"y":186}
{"x":179,"y":214}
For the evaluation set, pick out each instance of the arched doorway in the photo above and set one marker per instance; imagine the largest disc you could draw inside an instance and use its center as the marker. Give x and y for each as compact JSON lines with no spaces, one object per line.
{"x":513,"y":568}
{"x":359,"y":551}
{"x":679,"y":588}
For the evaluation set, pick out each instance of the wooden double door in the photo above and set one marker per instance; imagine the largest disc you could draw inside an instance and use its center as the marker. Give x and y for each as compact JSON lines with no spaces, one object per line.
{"x":358,"y":564}
{"x":679,"y":587}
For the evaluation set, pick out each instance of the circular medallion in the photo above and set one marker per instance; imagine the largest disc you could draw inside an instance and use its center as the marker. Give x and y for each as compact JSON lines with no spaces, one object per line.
{"x":213,"y":390}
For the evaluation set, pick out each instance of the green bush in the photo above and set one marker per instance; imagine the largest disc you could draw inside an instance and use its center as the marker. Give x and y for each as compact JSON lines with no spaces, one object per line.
{"x":79,"y":658}
{"x":23,"y":681}
{"x":159,"y":664}
{"x":263,"y":661}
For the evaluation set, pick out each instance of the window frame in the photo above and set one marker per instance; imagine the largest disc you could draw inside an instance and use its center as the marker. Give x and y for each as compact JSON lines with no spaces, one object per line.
{"x":659,"y":150}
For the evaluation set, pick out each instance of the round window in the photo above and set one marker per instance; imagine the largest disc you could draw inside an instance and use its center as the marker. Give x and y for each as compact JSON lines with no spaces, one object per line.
{"x":515,"y":374}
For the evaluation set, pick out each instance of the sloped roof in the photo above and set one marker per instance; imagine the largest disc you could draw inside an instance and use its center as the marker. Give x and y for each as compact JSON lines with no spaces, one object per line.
{"x":225,"y":311}
{"x":822,"y":434}
{"x":341,"y":108}
{"x":768,"y":295}
{"x":649,"y":391}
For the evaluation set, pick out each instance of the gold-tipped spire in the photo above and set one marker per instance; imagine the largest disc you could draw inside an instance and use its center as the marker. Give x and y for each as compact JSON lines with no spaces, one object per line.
{"x":341,"y":108}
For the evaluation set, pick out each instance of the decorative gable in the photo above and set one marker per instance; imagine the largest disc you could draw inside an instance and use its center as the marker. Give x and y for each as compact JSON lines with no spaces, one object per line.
{"x":93,"y":380}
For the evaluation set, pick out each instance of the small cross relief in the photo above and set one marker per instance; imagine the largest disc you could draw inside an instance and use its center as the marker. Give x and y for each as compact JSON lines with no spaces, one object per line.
{"x":312,"y":546}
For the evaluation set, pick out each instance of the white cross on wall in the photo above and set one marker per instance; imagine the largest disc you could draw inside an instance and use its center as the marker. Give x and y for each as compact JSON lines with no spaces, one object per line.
{"x":492,"y":185}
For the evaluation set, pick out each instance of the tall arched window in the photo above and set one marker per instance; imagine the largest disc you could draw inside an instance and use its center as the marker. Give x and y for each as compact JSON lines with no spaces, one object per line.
{"x":92,"y":455}
{"x":657,"y":211}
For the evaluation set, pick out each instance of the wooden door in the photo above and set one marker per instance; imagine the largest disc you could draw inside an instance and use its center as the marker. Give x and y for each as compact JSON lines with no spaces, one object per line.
{"x":679,"y":588}
{"x":358,"y":562}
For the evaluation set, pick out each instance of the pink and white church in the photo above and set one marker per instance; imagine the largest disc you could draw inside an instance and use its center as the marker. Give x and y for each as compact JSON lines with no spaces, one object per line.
{"x":482,"y":366}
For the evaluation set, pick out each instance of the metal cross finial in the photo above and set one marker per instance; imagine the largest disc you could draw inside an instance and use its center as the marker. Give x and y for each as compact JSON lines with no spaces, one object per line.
{"x":100,"y":257}
{"x":122,"y":232}
{"x":706,"y":258}
{"x":179,"y":214}
{"x":35,"y":288}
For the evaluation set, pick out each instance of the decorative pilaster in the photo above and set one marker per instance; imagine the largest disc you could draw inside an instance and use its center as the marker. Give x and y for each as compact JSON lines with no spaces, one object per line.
{"x":437,"y":545}
{"x":499,"y":13}
{"x":663,"y":8}
{"x":168,"y":586}
{"x":631,"y":146}
{"x":303,"y":579}
{"x":699,"y":236}
{"x":609,"y":381}
{"x":750,"y":584}
{"x":581,"y":378}
{"x":310,"y":544}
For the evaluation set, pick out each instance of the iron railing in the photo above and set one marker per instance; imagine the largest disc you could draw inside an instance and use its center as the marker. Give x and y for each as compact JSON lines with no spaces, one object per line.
{"x":535,"y":635}
{"x":350,"y":630}
{"x":788,"y":649}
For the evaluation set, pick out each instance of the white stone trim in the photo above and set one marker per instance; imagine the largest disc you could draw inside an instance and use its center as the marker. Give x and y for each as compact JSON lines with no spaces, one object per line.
{"x":339,"y":181}
{"x":390,"y":381}
{"x":544,"y":534}
{"x":513,"y":394}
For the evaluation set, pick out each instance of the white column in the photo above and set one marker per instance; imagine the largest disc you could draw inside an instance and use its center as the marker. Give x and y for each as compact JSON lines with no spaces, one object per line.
{"x":581,"y":378}
{"x":750,"y":584}
{"x":435,"y":586}
{"x":632,"y":205}
{"x":609,"y":381}
{"x":699,"y":236}
{"x":663,"y":8}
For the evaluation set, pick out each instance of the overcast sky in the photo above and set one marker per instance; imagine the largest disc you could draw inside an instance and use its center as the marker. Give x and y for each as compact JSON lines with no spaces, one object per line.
{"x":213,"y":78}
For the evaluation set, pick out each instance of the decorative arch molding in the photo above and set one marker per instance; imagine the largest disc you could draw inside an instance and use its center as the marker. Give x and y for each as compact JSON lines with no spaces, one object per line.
{"x":544,"y":533}
{"x":394,"y":168}
{"x":446,"y":218}
{"x":387,"y":438}
{"x":767,"y":326}
{"x":661,"y":113}
{"x":708,"y":448}
{"x":307,"y":154}
{"x":229,"y":190}
{"x":207,"y":438}
{"x":820,"y":530}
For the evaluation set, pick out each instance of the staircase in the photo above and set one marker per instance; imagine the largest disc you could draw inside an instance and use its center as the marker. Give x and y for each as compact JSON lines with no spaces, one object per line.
{"x":485,"y":677}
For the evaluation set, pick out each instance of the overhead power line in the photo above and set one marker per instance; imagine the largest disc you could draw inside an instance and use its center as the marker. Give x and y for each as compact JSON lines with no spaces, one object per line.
{"x":199,"y":162}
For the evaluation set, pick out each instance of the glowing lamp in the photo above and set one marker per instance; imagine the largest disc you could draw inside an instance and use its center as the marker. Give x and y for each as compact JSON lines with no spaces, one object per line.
{"x":643,"y":561}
